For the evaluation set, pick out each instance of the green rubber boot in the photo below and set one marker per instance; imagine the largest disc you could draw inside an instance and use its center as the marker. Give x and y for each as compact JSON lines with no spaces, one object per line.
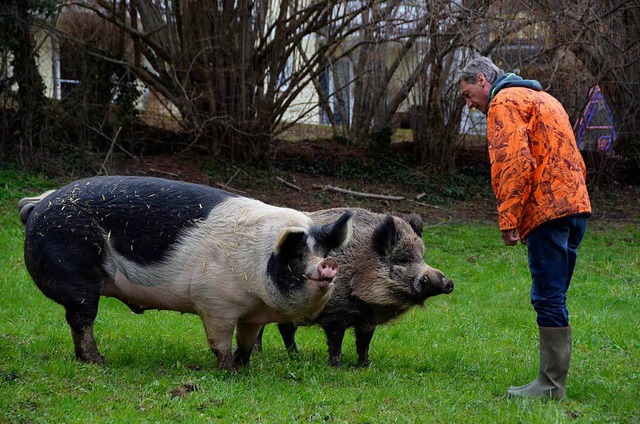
{"x":555,"y":355}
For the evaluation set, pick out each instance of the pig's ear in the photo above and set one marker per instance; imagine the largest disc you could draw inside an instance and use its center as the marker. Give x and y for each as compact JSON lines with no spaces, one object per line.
{"x":290,"y":242}
{"x":385,"y":236}
{"x":331,"y":236}
{"x":415,"y":221}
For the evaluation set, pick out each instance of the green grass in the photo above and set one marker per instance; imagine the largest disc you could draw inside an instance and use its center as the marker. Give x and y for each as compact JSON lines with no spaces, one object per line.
{"x":449,"y":362}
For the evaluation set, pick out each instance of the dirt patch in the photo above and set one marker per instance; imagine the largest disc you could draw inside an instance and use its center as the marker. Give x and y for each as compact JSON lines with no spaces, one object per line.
{"x":615,"y":204}
{"x":184,"y":389}
{"x":309,"y":192}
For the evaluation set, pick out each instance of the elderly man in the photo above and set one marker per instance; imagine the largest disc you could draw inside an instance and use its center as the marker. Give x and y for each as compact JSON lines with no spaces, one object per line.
{"x":538,"y":177}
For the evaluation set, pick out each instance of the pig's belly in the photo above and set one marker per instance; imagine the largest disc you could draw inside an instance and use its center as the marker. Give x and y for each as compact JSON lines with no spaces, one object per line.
{"x":172,"y":297}
{"x":262,"y":315}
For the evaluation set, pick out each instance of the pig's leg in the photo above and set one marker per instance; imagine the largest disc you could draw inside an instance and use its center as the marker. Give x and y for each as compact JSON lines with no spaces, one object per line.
{"x":335,"y":335}
{"x":246,"y":335}
{"x":258,"y":346}
{"x":68,"y":271}
{"x":220,"y":337}
{"x":75,"y":284}
{"x":80,"y":317}
{"x":363,"y":340}
{"x":288,"y":333}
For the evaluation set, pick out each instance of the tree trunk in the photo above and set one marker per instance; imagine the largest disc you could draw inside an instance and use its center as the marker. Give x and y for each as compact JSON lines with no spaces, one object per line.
{"x":31,"y":99}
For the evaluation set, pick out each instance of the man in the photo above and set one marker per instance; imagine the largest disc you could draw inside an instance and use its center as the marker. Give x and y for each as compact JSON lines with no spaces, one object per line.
{"x":538,"y":177}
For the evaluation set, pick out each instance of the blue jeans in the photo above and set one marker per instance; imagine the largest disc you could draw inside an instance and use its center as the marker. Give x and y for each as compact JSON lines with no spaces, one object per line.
{"x":552,"y":249}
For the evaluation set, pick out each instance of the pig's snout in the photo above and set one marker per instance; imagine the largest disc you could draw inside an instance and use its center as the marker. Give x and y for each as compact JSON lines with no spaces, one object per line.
{"x":436,"y":284}
{"x":327,"y":269}
{"x":447,"y":286}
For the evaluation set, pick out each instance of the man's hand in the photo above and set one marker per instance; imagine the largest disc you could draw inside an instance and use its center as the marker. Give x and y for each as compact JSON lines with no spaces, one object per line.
{"x":510,"y":237}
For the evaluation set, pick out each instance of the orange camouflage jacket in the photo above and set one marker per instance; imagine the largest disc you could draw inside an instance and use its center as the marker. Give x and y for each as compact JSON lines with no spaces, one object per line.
{"x":537,"y":171}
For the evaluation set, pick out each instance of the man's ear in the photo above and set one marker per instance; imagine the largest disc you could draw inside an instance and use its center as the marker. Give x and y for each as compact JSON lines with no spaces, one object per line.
{"x":481,"y":79}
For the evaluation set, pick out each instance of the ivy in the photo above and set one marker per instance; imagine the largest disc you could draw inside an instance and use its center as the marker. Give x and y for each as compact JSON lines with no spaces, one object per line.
{"x":16,"y":23}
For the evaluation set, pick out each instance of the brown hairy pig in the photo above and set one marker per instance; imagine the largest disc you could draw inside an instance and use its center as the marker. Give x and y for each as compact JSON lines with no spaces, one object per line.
{"x":382,"y":275}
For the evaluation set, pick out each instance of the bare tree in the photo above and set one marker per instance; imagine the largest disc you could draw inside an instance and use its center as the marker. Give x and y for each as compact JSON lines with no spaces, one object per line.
{"x":235,"y":70}
{"x":604,"y":37}
{"x":404,"y":57}
{"x":450,"y":31}
{"x":231,"y":68}
{"x":94,"y":91}
{"x":570,"y":47}
{"x":376,"y":69}
{"x":536,"y":38}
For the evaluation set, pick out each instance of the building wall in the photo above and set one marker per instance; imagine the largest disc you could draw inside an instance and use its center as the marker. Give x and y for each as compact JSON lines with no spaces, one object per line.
{"x":48,"y":64}
{"x":306,"y":102}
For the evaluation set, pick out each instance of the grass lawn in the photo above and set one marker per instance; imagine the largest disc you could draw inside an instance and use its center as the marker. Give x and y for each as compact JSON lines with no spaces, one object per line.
{"x":449,"y":362}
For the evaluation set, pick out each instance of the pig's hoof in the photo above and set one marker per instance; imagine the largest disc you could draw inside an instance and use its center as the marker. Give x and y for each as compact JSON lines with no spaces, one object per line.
{"x":364,"y":363}
{"x":293,"y":349}
{"x":227,"y":367}
{"x":241,"y":358}
{"x":92,"y":358}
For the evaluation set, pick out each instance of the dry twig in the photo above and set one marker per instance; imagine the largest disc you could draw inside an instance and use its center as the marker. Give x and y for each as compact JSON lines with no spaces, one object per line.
{"x":358,"y":193}
{"x":288,"y":184}
{"x":233,"y":176}
{"x":171,"y":174}
{"x":103,"y":167}
{"x":226,"y":187}
{"x":426,"y":204}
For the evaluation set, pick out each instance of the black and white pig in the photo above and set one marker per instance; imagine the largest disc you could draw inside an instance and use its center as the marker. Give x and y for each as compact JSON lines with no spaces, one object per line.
{"x":159,"y":244}
{"x":382,"y":275}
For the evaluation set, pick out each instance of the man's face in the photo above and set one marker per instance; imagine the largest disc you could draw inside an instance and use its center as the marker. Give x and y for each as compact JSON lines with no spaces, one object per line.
{"x":476,"y":95}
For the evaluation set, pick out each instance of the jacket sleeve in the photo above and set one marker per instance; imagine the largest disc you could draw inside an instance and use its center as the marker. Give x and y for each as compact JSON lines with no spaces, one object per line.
{"x":511,"y":162}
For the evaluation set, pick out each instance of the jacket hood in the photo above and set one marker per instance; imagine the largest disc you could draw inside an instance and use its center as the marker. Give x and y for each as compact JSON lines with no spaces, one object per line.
{"x":512,"y":80}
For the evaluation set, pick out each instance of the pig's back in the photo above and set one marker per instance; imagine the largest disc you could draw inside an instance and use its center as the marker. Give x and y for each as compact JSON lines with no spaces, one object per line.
{"x":140,"y":216}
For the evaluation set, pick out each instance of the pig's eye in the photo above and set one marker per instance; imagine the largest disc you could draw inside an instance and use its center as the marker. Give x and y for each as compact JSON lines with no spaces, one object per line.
{"x":401,"y":261}
{"x":296,"y":257}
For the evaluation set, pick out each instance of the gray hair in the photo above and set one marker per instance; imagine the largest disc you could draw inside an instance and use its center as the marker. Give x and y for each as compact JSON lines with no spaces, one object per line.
{"x":480,"y":65}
